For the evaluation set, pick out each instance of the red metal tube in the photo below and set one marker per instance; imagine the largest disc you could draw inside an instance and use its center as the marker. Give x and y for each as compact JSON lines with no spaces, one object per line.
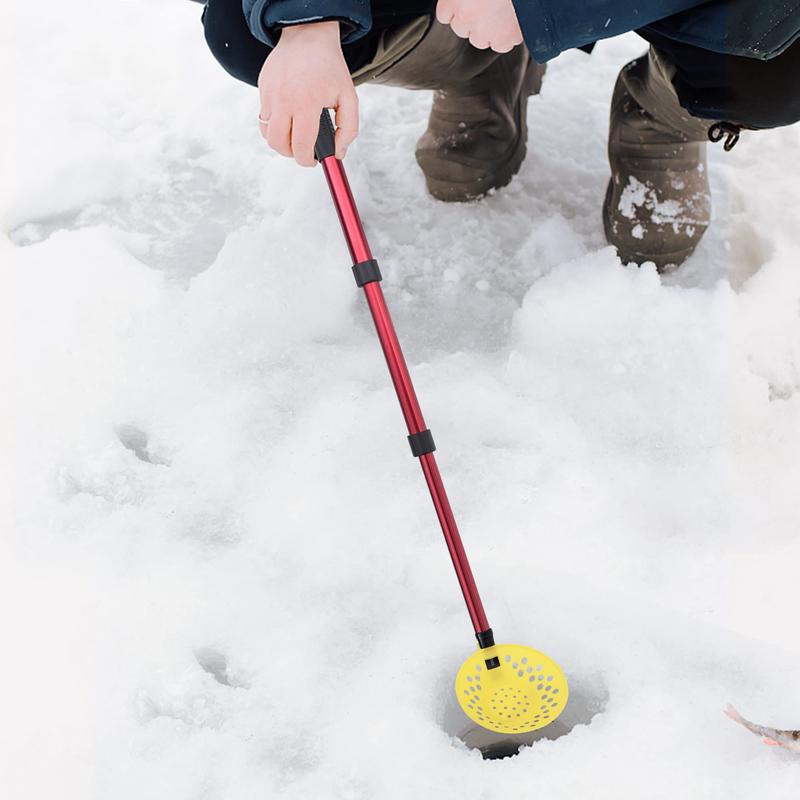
{"x":359,"y":251}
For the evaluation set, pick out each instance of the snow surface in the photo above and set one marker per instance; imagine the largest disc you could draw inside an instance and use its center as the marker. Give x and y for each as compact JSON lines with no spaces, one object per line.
{"x":221,"y":575}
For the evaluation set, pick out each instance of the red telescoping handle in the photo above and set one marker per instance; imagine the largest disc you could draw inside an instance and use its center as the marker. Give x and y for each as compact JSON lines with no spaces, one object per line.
{"x":368,"y":277}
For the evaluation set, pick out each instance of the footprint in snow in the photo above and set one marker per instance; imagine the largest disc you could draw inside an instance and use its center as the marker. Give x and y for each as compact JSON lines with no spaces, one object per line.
{"x":136,"y":440}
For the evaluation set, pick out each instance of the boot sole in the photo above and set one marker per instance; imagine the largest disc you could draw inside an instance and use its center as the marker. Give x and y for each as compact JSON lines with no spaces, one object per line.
{"x":665,"y":262}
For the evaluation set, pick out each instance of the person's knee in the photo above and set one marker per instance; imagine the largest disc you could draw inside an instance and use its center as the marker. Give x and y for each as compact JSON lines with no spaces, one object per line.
{"x":767,"y":93}
{"x":747,"y":92}
{"x":753,"y":93}
{"x":231,"y":42}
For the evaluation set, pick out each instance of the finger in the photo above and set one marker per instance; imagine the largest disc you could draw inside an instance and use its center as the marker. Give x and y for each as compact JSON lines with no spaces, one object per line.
{"x":278,"y":133}
{"x":346,"y":122}
{"x":505,"y":47}
{"x":263,"y":118}
{"x":504,"y":42}
{"x":266,"y":105}
{"x":305,"y":128}
{"x":479,"y":42}
{"x":444,"y":12}
{"x":460,"y":28}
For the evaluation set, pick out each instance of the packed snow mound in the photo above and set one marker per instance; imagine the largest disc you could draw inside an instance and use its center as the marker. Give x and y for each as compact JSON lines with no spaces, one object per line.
{"x":221,"y":575}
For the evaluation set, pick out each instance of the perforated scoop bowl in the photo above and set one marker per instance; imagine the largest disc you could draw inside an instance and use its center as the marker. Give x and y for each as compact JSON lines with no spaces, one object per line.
{"x":526,"y":692}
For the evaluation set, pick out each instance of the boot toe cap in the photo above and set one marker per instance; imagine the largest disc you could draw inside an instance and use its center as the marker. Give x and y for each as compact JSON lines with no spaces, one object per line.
{"x":646,"y":225}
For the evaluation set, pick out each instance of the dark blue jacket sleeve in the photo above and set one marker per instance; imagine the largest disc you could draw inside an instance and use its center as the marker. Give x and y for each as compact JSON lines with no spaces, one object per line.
{"x":264,"y":17}
{"x":552,"y":26}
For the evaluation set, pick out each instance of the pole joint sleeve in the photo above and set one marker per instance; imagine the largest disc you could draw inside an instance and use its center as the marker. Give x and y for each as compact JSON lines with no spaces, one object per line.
{"x":421,"y":443}
{"x":366,"y":272}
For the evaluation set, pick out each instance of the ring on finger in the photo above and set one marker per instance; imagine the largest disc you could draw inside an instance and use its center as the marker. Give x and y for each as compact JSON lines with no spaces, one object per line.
{"x":263,"y":121}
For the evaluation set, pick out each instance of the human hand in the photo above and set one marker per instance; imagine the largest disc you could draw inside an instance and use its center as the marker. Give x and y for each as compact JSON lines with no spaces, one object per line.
{"x":305,"y":73}
{"x":486,"y":23}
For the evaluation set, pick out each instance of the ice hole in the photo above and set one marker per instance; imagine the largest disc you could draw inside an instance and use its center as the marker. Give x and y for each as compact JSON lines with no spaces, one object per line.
{"x":588,"y":697}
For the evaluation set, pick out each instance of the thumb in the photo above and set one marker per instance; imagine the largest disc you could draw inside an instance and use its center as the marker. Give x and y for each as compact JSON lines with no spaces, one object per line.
{"x":346,"y":121}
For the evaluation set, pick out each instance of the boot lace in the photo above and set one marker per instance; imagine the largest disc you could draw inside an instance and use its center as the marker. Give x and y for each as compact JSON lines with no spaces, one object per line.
{"x":727,"y":130}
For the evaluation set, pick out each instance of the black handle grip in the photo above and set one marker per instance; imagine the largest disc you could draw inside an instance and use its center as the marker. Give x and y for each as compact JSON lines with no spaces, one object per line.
{"x":326,"y":141}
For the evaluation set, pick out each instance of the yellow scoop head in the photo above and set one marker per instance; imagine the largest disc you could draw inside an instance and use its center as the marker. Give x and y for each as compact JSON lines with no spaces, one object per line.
{"x":526,"y":692}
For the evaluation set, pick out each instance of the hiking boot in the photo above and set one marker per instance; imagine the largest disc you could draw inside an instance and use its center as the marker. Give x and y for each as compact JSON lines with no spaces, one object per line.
{"x":658,"y":202}
{"x":477,"y":130}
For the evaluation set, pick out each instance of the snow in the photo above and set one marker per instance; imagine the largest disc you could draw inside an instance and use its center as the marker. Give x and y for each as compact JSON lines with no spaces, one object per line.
{"x":636,"y":195}
{"x":221,"y":575}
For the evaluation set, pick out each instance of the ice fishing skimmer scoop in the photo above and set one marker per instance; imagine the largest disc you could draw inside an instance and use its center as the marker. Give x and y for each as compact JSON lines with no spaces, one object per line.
{"x":508,"y":688}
